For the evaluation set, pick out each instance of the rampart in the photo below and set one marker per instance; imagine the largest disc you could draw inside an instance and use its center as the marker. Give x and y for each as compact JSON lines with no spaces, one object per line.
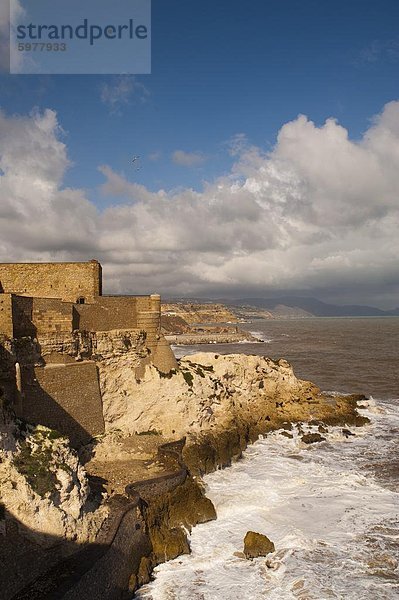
{"x":66,"y":398}
{"x":70,"y":281}
{"x":59,"y":327}
{"x":6,"y":319}
{"x":22,"y":316}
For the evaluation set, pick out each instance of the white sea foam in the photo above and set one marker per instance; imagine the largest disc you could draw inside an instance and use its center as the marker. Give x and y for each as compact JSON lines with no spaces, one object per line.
{"x":261,"y":336}
{"x":183,"y":350}
{"x":333,"y":520}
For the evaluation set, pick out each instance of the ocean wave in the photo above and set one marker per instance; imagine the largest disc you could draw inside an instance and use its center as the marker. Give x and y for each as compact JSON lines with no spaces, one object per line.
{"x":261,"y":336}
{"x":330,"y":513}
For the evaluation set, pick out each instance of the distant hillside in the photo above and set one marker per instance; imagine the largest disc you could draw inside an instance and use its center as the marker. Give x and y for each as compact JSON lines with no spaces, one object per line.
{"x":197,"y":312}
{"x":312,"y":307}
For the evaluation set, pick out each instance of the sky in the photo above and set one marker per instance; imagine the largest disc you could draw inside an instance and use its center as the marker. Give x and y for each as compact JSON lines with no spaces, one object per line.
{"x":268,"y":136}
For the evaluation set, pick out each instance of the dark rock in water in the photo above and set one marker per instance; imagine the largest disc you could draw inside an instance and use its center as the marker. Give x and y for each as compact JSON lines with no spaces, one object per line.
{"x":287,"y":426}
{"x":312,"y":438}
{"x":257,"y":544}
{"x":295,"y":456}
{"x":347,"y":432}
{"x":286,"y":434}
{"x":322,"y":429}
{"x":360,"y":421}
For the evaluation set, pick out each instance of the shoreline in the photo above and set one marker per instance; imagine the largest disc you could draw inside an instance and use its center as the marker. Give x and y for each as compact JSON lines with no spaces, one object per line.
{"x":220,"y":445}
{"x":213,"y":452}
{"x":192,"y":339}
{"x":156,"y":513}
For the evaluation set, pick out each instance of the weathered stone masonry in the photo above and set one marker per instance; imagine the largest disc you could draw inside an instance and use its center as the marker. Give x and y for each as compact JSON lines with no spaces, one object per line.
{"x":56,"y":327}
{"x":67,"y":281}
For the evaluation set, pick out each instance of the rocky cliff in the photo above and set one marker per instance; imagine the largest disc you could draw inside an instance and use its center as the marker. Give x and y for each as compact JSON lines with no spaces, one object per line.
{"x":193,"y":312}
{"x":218,"y":401}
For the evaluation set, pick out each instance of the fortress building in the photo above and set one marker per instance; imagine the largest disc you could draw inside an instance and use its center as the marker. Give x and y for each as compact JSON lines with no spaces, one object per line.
{"x":57,"y":331}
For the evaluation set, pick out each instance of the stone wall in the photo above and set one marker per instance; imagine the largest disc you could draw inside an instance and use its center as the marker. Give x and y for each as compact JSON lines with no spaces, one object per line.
{"x":40,"y":316}
{"x":64,"y":397}
{"x":22,"y":313}
{"x":108,"y":313}
{"x":60,"y":381}
{"x":6,"y":322}
{"x":68,"y":281}
{"x":52,"y":316}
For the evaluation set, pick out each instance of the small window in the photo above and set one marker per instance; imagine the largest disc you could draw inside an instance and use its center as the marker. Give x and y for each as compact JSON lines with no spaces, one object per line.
{"x":80,"y":300}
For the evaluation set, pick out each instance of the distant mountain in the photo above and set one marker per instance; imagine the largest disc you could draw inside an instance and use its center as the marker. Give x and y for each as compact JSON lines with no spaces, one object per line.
{"x":314,"y":307}
{"x":295,"y":307}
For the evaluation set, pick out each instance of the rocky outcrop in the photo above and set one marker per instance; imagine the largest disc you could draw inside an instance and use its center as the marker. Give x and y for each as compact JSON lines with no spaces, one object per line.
{"x":257,"y":544}
{"x":44,"y":487}
{"x":191,"y":324}
{"x":46,"y":509}
{"x":312,"y":438}
{"x":81,"y":550}
{"x":194,"y":312}
{"x":169,"y":515}
{"x":212,"y":335}
{"x":220,"y":402}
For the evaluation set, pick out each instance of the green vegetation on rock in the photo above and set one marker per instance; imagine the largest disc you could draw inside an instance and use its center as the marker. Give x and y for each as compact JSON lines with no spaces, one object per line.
{"x":189,"y":378}
{"x":168,"y":375}
{"x":35,"y":467}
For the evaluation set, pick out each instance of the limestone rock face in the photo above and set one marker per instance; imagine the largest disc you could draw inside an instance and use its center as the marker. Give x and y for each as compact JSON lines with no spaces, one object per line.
{"x":207,"y":391}
{"x":7,"y":431}
{"x":220,"y":403}
{"x":257,"y":544}
{"x":199,"y":313}
{"x":44,"y":487}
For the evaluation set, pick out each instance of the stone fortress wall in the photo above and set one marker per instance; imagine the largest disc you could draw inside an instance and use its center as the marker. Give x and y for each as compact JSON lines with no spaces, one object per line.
{"x":68,"y":281}
{"x":57,"y":327}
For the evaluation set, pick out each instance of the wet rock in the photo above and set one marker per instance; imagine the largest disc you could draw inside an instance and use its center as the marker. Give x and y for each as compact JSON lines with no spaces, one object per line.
{"x":322,"y":429}
{"x":287,"y":426}
{"x":286,"y":434}
{"x":383,"y":561}
{"x":170,"y":515}
{"x":359,"y":421}
{"x":347,"y":432}
{"x":257,"y":544}
{"x":144,"y":573}
{"x":312,"y":438}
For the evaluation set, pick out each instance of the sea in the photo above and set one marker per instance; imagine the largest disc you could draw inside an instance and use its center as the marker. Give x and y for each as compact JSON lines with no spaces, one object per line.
{"x":331,"y":508}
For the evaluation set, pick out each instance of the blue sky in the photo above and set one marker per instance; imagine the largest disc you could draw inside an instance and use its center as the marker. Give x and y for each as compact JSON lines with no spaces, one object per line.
{"x":221,"y":70}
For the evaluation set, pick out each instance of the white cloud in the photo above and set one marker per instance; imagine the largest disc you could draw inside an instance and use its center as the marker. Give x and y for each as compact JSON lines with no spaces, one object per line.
{"x":120,"y":92}
{"x":188,"y":159}
{"x":319,"y":211}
